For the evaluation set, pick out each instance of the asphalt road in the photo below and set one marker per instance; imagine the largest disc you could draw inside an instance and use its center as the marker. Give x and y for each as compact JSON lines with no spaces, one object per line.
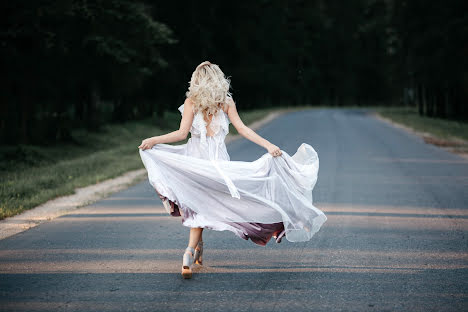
{"x":395,"y":240}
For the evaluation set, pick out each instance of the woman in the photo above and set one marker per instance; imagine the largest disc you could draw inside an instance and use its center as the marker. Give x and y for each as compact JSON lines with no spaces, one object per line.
{"x":268,"y":197}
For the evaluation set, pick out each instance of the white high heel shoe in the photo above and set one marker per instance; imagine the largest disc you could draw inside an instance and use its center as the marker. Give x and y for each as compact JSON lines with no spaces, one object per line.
{"x":187,"y":262}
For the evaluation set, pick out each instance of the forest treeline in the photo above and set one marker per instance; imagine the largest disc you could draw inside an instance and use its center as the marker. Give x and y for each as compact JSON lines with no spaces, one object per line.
{"x":82,"y":63}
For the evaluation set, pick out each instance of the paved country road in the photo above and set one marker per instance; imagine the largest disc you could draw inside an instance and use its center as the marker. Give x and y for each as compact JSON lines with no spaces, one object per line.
{"x":395,"y":240}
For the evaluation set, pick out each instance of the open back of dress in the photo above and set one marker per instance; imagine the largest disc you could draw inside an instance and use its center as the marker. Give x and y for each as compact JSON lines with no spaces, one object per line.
{"x":271,"y":196}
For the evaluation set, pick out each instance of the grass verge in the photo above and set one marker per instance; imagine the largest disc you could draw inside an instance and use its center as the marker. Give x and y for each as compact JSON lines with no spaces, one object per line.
{"x":450,"y":134}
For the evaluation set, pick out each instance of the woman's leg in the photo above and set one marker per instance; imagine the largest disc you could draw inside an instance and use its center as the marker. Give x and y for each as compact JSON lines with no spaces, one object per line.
{"x":195,"y":236}
{"x":194,"y":239}
{"x":189,"y":254}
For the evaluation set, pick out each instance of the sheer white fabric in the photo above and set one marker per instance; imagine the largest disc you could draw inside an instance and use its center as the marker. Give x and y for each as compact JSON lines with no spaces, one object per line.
{"x":216,"y":193}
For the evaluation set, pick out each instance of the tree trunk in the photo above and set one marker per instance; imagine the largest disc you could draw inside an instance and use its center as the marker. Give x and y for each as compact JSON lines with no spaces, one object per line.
{"x":440,"y":103}
{"x":25,"y":117}
{"x":430,"y":103}
{"x":419,"y":100}
{"x":92,"y":121}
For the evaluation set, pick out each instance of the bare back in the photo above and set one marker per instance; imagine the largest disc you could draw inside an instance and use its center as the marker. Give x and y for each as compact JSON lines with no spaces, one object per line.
{"x":208,"y":120}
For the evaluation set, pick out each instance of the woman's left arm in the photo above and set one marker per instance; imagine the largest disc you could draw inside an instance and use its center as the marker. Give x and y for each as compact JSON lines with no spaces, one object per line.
{"x":174,"y":136}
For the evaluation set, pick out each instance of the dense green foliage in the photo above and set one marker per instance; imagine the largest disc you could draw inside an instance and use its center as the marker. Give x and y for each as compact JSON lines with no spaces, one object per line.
{"x":68,"y":62}
{"x":83,"y":63}
{"x":431,"y":43}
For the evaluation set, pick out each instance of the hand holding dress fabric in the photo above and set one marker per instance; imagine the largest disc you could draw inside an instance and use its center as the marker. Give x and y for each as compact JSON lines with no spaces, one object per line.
{"x":274,"y":150}
{"x":147,"y":143}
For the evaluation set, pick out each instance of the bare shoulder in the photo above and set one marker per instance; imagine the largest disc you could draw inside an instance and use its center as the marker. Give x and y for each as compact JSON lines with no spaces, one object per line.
{"x":188,"y":103}
{"x":234,"y":116}
{"x":230,"y":103}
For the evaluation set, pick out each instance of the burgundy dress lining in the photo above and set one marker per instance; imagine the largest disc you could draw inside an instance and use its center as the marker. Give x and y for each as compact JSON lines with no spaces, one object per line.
{"x":259,"y":233}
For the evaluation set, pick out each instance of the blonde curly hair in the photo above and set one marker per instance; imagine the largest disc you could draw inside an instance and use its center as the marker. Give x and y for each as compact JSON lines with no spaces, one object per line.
{"x":209,"y":88}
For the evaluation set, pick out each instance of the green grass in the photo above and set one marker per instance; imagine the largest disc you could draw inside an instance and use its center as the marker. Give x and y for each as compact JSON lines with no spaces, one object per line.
{"x":43,"y":173}
{"x":441,"y":128}
{"x":32,"y":175}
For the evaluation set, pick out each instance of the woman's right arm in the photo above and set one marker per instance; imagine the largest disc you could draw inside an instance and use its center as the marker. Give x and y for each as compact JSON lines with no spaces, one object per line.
{"x":174,"y":136}
{"x":248,"y":133}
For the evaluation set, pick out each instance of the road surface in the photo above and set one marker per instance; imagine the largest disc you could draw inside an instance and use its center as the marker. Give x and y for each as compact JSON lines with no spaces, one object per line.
{"x":395,"y":240}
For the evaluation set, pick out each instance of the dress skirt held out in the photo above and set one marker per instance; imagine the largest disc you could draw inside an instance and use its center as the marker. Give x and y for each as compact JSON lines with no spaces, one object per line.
{"x":261,"y":199}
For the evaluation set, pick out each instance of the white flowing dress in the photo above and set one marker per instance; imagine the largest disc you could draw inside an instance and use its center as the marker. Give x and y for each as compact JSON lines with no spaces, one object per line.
{"x":268,"y":197}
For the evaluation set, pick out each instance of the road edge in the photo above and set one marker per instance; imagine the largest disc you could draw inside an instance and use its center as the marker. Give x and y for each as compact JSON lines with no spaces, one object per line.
{"x":427,"y":137}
